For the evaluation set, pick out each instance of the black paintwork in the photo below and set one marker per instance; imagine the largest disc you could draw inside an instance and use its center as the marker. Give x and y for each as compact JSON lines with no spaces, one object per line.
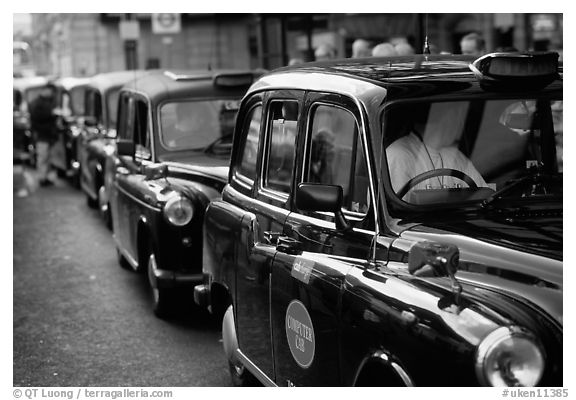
{"x":70,"y":99}
{"x":375,"y":322}
{"x":137,"y":203}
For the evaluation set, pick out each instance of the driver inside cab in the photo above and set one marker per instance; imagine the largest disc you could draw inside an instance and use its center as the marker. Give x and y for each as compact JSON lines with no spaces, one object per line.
{"x":430,"y":143}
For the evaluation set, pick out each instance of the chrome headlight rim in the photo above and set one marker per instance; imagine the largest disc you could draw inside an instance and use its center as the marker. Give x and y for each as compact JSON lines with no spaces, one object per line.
{"x":495,"y":338}
{"x":171,"y":203}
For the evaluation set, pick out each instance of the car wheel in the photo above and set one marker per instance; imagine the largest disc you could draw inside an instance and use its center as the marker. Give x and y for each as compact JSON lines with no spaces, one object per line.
{"x":91,"y":202}
{"x":162,"y":299}
{"x":122,"y":261}
{"x":104,"y":206}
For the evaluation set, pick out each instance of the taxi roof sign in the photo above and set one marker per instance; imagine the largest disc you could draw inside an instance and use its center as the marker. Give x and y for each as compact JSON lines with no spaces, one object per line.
{"x":505,"y":69}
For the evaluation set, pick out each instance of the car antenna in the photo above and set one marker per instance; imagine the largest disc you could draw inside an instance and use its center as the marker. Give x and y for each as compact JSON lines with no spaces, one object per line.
{"x":371,"y":263}
{"x":426,"y":49}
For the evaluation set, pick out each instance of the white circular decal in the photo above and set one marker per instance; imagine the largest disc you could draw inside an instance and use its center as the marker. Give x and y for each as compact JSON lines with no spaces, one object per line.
{"x":300,"y":334}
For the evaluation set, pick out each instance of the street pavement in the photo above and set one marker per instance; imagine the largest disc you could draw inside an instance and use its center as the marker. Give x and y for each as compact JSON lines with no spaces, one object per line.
{"x":81,"y":320}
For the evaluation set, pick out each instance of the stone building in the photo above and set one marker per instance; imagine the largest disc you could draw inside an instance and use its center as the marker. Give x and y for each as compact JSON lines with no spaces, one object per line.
{"x":86,"y":44}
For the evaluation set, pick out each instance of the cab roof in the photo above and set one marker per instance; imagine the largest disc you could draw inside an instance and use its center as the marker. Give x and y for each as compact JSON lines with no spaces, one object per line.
{"x":23,"y":84}
{"x":68,"y":83}
{"x":108,"y":80}
{"x":406,"y":76}
{"x":161,"y":85}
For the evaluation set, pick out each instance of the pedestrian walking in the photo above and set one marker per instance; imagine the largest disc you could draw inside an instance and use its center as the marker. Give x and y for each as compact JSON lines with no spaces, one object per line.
{"x":472,"y":44}
{"x":43,"y":118}
{"x":361,"y":48}
{"x":384,"y":50}
{"x":324,"y":52}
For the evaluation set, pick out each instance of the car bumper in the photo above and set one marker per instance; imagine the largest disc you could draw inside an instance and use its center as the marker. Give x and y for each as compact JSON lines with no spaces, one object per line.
{"x":165,"y":279}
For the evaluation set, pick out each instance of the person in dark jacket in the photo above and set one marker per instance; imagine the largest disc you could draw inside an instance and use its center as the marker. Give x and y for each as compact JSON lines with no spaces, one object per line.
{"x":43,"y":118}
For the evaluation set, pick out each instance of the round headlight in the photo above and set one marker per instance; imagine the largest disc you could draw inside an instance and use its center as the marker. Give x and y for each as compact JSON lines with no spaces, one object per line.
{"x":178,"y":211}
{"x":509,"y":357}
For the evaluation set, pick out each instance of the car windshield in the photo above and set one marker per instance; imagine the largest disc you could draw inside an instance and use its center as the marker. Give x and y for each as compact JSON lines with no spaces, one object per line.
{"x":471,"y":150}
{"x":198,"y":124}
{"x":77,"y":100}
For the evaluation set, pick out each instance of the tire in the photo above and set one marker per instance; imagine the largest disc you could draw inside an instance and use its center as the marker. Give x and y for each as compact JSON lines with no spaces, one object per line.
{"x":104,"y":207}
{"x":91,"y":202}
{"x":163,"y":300}
{"x":122,"y":261}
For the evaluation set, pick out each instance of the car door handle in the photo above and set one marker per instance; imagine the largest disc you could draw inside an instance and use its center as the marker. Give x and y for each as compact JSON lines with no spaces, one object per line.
{"x":288,"y":245}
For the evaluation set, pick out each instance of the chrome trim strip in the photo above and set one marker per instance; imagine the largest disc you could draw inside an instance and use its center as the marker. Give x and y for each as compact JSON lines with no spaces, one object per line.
{"x":136,"y":199}
{"x":261,"y":376}
{"x":131,"y":260}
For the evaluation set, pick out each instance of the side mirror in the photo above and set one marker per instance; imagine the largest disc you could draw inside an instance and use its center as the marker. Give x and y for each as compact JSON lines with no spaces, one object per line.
{"x":319,"y":197}
{"x":125,"y":148}
{"x":439,"y":258}
{"x":155,"y":171}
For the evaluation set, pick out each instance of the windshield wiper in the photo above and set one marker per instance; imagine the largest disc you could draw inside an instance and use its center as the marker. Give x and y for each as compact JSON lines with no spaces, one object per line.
{"x":538,"y":180}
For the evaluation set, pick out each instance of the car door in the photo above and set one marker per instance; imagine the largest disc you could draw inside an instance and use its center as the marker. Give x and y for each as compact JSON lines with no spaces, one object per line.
{"x":123,"y":166}
{"x":92,"y":120}
{"x":265,"y":213}
{"x":132,"y":190}
{"x":308,"y":275}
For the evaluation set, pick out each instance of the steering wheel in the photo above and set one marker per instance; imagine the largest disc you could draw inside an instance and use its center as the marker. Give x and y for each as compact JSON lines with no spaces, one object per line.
{"x":434,"y":173}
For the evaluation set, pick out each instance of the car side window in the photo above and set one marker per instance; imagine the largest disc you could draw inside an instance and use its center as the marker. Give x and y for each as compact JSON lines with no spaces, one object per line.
{"x":125,"y":118}
{"x":93,"y":106}
{"x":141,"y":135}
{"x":336,"y":157}
{"x":249,"y":148}
{"x":283,"y":117}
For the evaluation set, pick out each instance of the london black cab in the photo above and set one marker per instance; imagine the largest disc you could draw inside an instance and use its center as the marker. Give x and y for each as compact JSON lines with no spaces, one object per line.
{"x":393,"y":222}
{"x":70,"y":101}
{"x":98,"y":131}
{"x":173,"y":151}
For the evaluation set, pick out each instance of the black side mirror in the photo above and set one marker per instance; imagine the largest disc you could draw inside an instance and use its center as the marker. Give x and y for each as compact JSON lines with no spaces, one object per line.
{"x":155,"y":171}
{"x":319,"y":197}
{"x":439,"y":258}
{"x":125,"y":147}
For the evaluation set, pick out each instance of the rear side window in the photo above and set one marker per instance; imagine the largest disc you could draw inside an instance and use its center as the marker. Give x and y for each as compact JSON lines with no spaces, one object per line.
{"x":249,"y":151}
{"x":281,"y":143}
{"x":336,"y":157}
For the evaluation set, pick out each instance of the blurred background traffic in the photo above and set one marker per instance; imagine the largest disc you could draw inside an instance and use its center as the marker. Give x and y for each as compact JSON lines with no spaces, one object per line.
{"x":83,"y":45}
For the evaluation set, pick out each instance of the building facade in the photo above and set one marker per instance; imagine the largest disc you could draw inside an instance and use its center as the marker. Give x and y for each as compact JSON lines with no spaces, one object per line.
{"x":87,"y":44}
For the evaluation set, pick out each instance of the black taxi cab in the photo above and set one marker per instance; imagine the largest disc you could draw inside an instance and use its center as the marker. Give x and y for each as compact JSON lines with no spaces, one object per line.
{"x":70,"y":102}
{"x":95,"y":143}
{"x":24,"y":90}
{"x":393,"y":222}
{"x":173,"y":151}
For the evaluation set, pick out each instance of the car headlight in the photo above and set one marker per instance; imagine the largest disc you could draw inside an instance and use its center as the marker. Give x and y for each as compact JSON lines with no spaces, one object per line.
{"x":509,"y":357}
{"x":178,"y":211}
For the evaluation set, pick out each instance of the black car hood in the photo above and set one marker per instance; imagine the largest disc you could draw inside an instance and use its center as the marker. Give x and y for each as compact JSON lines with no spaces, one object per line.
{"x":534,"y":232}
{"x":198,"y":163}
{"x":516,"y":258}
